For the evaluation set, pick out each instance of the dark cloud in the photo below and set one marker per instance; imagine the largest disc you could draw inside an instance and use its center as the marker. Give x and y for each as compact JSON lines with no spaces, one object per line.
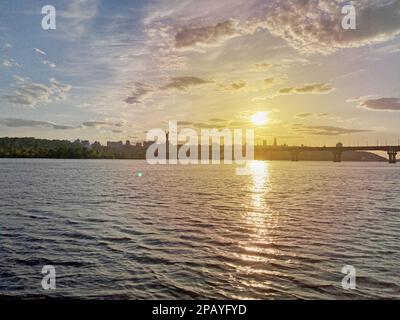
{"x":238,"y":85}
{"x":182,"y":83}
{"x":94,"y":124}
{"x":18,"y":123}
{"x":234,"y":86}
{"x":285,"y":90}
{"x":188,"y":37}
{"x":383,"y":104}
{"x":62,"y":127}
{"x":139,"y":92}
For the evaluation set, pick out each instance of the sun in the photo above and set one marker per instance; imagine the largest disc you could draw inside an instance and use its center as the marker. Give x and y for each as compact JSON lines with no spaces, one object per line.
{"x":260,"y":118}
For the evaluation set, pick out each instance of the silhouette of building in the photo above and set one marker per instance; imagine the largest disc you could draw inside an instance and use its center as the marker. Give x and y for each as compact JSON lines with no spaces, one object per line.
{"x":86,"y":144}
{"x":114,"y":145}
{"x":275,"y":142}
{"x":96,"y":145}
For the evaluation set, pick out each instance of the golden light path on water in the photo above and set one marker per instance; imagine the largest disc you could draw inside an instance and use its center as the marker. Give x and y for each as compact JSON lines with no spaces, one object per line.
{"x":261,"y":220}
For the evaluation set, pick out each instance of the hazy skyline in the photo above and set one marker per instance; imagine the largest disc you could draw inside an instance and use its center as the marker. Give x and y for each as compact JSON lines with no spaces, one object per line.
{"x":111,"y":71}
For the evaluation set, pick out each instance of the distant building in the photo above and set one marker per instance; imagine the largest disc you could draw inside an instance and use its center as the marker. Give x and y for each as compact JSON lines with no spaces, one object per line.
{"x":114,"y":145}
{"x":96,"y":145}
{"x":275,"y":142}
{"x":86,"y":144}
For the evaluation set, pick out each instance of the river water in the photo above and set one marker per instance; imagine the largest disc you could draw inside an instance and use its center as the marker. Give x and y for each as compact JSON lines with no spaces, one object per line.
{"x":125,"y":229}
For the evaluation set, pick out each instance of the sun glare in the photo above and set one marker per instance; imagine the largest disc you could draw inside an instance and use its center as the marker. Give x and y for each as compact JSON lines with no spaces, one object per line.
{"x":260,"y":118}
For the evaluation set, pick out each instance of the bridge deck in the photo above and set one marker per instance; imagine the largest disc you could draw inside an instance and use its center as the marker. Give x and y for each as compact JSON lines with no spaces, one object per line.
{"x":333,"y":149}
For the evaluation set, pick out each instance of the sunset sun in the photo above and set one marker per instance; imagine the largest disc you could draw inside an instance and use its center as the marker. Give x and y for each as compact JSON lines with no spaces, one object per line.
{"x":260,"y":118}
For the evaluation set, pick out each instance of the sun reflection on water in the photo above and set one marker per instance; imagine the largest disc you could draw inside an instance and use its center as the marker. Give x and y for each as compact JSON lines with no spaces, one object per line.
{"x":260,"y":176}
{"x":259,"y":218}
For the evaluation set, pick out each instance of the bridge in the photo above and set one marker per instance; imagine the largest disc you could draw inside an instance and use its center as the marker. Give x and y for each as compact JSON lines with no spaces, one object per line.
{"x":337,"y":151}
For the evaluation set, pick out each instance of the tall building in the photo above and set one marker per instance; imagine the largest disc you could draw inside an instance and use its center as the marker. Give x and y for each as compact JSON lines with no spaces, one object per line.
{"x":275,"y":142}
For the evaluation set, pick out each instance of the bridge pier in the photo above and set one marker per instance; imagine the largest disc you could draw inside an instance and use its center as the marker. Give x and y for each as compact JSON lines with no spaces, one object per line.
{"x":337,"y":156}
{"x":392,"y":156}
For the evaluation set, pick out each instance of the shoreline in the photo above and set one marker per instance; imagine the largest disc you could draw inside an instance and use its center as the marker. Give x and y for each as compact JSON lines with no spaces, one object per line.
{"x":222,"y":161}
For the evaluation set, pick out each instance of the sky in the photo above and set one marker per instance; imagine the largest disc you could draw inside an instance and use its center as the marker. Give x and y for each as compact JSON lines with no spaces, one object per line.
{"x":112,"y":70}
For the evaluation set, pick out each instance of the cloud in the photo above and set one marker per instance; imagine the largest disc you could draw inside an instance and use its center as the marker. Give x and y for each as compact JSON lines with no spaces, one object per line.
{"x":238,"y":85}
{"x":188,"y":37}
{"x":309,"y":26}
{"x":304,"y":115}
{"x":234,"y":86}
{"x":101,"y":123}
{"x":139,"y":92}
{"x":381,"y":104}
{"x":315,"y":88}
{"x":94,"y":124}
{"x":314,"y":26}
{"x":182,"y":83}
{"x":40,"y":51}
{"x":270,"y":82}
{"x":9,"y":63}
{"x":264,"y":66}
{"x":323,"y":130}
{"x":311,"y":114}
{"x":217,"y":120}
{"x":48,"y":63}
{"x":33,"y":94}
{"x":17,"y":123}
{"x":20,"y":79}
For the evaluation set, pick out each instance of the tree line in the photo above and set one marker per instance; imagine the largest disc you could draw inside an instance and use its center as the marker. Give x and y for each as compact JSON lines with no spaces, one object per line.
{"x":43,"y":148}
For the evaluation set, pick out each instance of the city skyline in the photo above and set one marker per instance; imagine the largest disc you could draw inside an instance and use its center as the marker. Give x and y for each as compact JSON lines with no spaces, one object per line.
{"x":113,"y":71}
